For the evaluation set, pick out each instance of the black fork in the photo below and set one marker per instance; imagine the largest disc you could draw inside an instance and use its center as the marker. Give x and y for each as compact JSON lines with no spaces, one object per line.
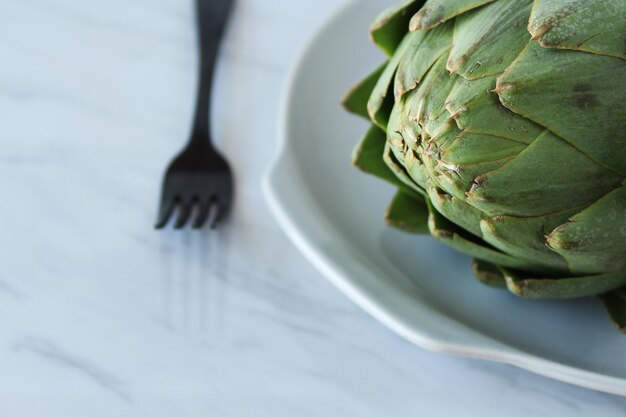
{"x":199,"y":178}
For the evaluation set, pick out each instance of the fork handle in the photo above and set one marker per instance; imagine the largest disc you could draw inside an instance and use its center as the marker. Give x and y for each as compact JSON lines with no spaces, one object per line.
{"x":211,"y":16}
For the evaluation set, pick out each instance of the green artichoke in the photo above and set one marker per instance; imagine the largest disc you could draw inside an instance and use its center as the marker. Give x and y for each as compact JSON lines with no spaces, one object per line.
{"x":502,"y":123}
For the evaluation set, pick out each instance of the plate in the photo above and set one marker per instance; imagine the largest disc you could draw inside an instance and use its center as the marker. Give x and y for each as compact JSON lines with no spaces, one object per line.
{"x":419,"y":288}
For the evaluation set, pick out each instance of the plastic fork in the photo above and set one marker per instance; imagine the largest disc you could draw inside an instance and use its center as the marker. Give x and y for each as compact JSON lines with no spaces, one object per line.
{"x":198,"y":183}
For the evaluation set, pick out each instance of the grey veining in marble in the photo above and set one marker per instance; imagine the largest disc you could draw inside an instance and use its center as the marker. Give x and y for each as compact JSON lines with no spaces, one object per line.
{"x":103,"y":316}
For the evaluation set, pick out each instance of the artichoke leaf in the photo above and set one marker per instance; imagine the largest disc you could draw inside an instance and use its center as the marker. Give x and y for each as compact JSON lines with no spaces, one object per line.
{"x":408,"y":212}
{"x":453,"y":236}
{"x":398,"y":170}
{"x":458,"y":179}
{"x":488,"y":39}
{"x":473,"y":148}
{"x":451,"y":207}
{"x":368,"y":157}
{"x":435,"y":12}
{"x":392,"y":24}
{"x":395,"y":137}
{"x":526,"y":286}
{"x":427,"y":102}
{"x":594,"y":240}
{"x":596,"y":26}
{"x":474,"y":108}
{"x":381,"y":100}
{"x":488,"y":274}
{"x":416,"y":61}
{"x":355,"y":101}
{"x":615,"y":304}
{"x":453,"y":175}
{"x":416,"y":169}
{"x":525,"y":237}
{"x":577,"y":95}
{"x":523,"y":187}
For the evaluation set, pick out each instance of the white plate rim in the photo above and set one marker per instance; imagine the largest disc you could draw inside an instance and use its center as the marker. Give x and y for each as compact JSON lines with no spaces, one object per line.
{"x":494,"y":350}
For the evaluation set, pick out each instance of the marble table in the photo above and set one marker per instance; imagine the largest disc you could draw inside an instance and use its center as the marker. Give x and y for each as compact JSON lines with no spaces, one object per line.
{"x":103,"y":316}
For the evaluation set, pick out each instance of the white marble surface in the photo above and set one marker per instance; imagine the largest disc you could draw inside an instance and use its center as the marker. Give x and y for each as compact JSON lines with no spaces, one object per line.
{"x":103,"y":316}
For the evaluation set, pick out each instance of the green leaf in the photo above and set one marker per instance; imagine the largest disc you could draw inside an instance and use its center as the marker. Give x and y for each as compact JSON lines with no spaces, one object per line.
{"x":477,"y":109}
{"x":408,"y":212}
{"x":460,"y":240}
{"x":594,"y":240}
{"x":429,"y":100}
{"x":427,"y":47}
{"x":355,"y":100}
{"x":406,"y":78}
{"x":526,"y":286}
{"x":548,"y":176}
{"x":458,"y":179}
{"x":577,"y":95}
{"x":488,"y":39}
{"x":399,"y":170}
{"x":381,"y":101}
{"x":395,"y":139}
{"x":392,"y":24}
{"x":524,"y":237}
{"x":615,"y":304}
{"x":368,"y":156}
{"x":489,"y":274}
{"x":437,"y":11}
{"x":473,"y":148}
{"x":596,"y":26}
{"x":456,"y":210}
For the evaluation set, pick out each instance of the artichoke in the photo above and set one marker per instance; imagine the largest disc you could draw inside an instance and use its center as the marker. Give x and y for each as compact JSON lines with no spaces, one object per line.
{"x":502,"y":123}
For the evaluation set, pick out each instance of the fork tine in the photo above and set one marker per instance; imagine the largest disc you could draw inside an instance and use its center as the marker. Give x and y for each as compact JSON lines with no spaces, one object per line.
{"x":184,"y":213}
{"x":165,"y":211}
{"x":220,"y":210}
{"x":204,"y":206}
